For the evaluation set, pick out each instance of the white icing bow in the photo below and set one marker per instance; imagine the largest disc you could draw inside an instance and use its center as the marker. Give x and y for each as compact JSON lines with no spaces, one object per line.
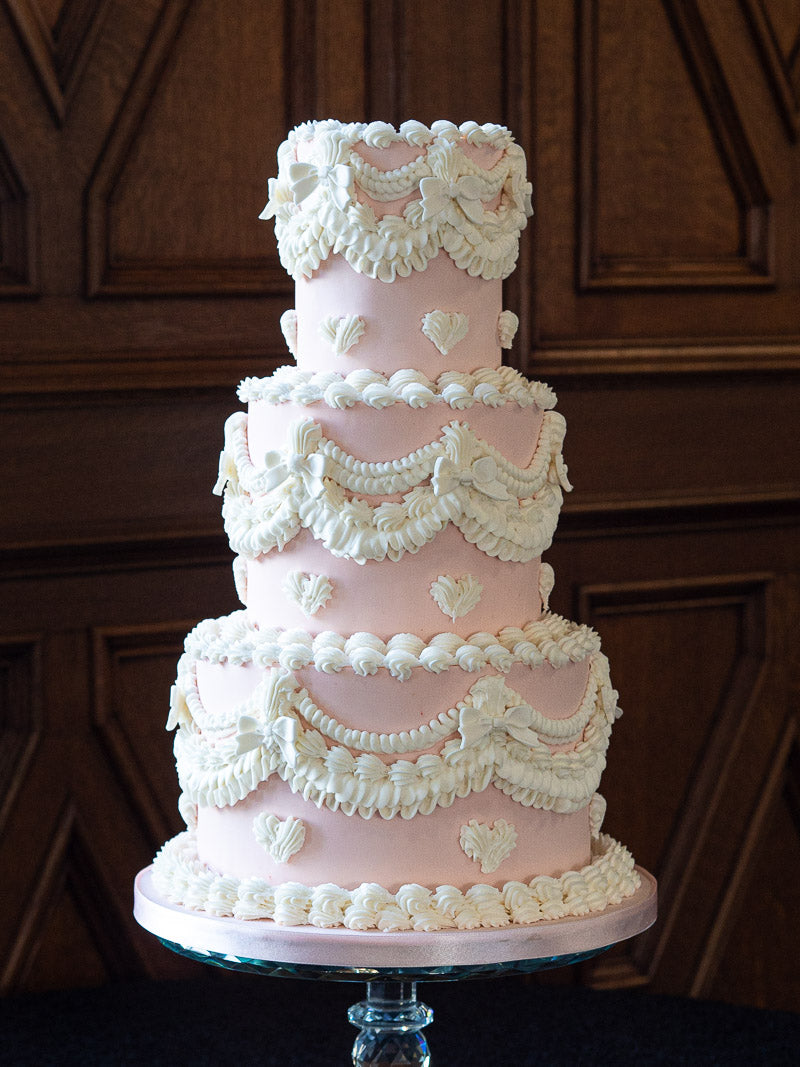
{"x":491,"y":711}
{"x":306,"y":178}
{"x":279,"y":467}
{"x":276,"y":727}
{"x":439,"y":195}
{"x":481,"y":474}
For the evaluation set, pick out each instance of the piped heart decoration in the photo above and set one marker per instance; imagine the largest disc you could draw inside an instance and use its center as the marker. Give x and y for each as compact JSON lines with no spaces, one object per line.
{"x":342,"y":331}
{"x":309,"y":591}
{"x":445,"y":328}
{"x":488,"y":845}
{"x":456,"y":597}
{"x":282,"y":838}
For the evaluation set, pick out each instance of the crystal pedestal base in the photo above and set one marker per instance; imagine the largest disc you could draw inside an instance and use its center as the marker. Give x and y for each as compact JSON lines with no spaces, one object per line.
{"x":391,"y":1020}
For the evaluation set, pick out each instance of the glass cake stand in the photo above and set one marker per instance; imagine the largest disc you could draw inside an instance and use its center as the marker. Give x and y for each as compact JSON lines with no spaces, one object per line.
{"x":391,"y":1019}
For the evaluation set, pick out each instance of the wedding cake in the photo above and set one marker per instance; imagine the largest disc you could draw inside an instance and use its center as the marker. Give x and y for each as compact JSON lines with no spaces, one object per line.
{"x":395,"y":733}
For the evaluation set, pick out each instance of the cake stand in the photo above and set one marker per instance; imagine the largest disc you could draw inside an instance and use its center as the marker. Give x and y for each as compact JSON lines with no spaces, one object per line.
{"x":391,"y":1019}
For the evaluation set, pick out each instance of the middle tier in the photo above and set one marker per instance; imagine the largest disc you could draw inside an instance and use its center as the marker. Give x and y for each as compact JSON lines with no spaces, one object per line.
{"x":441,"y":528}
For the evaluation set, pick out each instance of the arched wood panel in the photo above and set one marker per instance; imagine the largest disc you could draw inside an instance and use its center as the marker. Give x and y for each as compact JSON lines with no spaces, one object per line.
{"x":658,"y":289}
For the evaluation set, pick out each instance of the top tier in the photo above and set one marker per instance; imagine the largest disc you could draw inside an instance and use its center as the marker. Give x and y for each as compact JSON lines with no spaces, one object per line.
{"x":437,"y":211}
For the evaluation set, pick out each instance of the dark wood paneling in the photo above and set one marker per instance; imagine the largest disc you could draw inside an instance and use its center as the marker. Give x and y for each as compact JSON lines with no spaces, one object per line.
{"x":658,"y":289}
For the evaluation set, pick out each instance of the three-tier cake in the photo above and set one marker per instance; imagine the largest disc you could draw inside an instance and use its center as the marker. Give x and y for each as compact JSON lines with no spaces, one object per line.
{"x":395,"y":733}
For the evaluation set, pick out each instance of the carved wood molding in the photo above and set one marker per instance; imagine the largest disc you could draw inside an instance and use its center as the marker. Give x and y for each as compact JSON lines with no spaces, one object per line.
{"x":58,"y":56}
{"x":133,"y":550}
{"x":778,"y":66}
{"x":384,"y":66}
{"x":586,"y":359}
{"x":783,"y":780}
{"x":747,"y":596}
{"x":18,"y":249}
{"x":20,"y":714}
{"x":108,"y":275}
{"x":300,"y":19}
{"x":605,"y":515}
{"x":754,"y":266}
{"x":519,"y":46}
{"x":69,"y":863}
{"x":110,"y":647}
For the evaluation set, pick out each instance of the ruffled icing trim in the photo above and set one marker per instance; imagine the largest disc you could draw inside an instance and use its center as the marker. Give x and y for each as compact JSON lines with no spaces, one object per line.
{"x":506,"y":511}
{"x":236,"y":639}
{"x":489,"y":387}
{"x":496,"y":738}
{"x":610,"y":877}
{"x":317,"y":212}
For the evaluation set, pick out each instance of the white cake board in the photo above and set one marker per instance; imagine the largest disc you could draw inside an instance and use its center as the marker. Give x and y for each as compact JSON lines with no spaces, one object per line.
{"x":262,"y":939}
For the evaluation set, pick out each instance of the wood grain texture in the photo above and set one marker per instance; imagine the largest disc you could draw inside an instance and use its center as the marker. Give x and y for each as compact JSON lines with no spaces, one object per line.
{"x":711,"y":224}
{"x":658,"y":290}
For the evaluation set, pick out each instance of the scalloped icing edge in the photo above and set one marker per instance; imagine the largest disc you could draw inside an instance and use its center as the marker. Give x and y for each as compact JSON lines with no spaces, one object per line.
{"x":182,"y":878}
{"x":236,"y":638}
{"x":486,"y":385}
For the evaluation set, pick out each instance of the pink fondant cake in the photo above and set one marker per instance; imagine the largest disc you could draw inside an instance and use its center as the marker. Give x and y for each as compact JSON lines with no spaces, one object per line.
{"x":395,"y":733}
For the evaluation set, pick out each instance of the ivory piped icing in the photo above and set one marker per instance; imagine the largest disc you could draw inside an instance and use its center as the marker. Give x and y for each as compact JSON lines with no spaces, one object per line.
{"x":316,"y":206}
{"x":416,"y":758}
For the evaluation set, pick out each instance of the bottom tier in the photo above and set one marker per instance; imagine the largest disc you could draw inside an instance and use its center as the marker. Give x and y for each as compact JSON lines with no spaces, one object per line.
{"x":608,"y":878}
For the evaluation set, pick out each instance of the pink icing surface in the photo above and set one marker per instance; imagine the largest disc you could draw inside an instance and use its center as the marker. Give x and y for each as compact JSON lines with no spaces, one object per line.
{"x":384,"y":704}
{"x":394,"y":597}
{"x":390,"y":597}
{"x":379,"y":435}
{"x":393,"y":339}
{"x":349,"y":850}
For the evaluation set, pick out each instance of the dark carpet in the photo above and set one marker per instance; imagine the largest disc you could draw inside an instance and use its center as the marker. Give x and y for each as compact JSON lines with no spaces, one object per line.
{"x":251,"y":1021}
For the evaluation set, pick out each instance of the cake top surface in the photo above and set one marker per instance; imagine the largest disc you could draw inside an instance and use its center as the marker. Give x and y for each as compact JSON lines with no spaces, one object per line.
{"x":389,"y":200}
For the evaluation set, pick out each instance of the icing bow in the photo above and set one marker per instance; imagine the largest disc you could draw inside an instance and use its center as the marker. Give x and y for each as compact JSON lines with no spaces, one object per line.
{"x":306,"y":178}
{"x":282,"y":732}
{"x":279,"y":729}
{"x":227,"y":473}
{"x":480,"y":475}
{"x":438,"y":195}
{"x":489,"y":712}
{"x":279,"y":467}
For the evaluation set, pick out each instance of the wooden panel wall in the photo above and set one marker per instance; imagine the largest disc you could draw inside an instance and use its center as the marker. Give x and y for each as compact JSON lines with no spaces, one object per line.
{"x":659,"y":291}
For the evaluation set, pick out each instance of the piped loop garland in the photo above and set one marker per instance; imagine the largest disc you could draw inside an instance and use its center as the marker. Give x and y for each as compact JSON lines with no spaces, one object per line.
{"x":506,"y":511}
{"x":317,"y":211}
{"x":492,"y":736}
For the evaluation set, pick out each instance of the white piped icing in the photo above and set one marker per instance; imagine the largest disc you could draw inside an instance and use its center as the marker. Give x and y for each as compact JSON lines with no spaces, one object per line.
{"x":597,"y":812}
{"x":456,"y":597}
{"x":289,"y":329}
{"x":316,"y":206}
{"x":489,"y":387}
{"x":445,"y":328}
{"x":282,"y":838}
{"x":236,"y":639}
{"x":507,"y":326}
{"x":492,"y":736}
{"x":547,"y":581}
{"x":342,"y":332}
{"x":488,"y":845}
{"x":506,"y":511}
{"x":309,"y":591}
{"x":461,"y":193}
{"x":610,"y":877}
